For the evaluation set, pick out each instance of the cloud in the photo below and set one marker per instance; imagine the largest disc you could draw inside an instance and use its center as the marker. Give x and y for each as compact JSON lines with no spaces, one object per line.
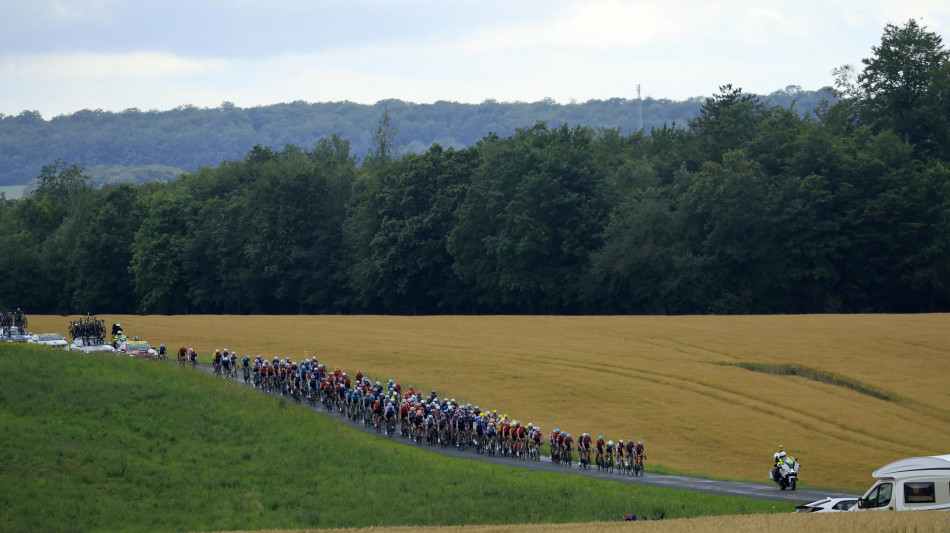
{"x":93,"y":65}
{"x":78,"y":10}
{"x":596,"y":25}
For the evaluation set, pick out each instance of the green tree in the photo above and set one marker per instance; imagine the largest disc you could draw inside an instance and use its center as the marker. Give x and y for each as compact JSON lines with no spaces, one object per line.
{"x":534,"y":213}
{"x":730,"y":260}
{"x":897,"y":77}
{"x":727,"y":121}
{"x":416,"y":207}
{"x":158,"y":253}
{"x":634,"y":267}
{"x":383,"y":150}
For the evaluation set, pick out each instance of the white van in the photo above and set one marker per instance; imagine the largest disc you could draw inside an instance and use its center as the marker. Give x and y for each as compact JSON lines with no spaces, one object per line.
{"x":915,"y":484}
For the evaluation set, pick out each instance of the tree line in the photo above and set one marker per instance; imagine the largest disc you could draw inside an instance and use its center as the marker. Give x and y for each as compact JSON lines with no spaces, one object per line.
{"x":137,"y":146}
{"x":752,"y":208}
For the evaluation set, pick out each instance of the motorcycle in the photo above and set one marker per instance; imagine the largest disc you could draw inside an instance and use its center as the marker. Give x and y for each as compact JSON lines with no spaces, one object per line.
{"x":786,"y":473}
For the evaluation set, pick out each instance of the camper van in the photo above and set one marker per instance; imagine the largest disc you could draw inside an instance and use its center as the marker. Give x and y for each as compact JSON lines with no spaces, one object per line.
{"x":915,"y":484}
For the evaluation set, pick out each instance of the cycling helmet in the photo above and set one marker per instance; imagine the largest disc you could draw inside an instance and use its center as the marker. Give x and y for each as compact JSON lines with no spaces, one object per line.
{"x":568,"y":435}
{"x":530,"y":425}
{"x":557,"y":431}
{"x":610,"y":443}
{"x":600,"y":437}
{"x":587,"y":434}
{"x":640,"y":442}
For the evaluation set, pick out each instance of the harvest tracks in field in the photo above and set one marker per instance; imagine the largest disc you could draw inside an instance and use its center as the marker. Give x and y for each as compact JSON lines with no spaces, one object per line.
{"x":684,"y":483}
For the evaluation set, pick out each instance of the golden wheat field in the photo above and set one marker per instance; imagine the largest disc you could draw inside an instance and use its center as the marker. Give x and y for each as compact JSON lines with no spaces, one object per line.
{"x":938,"y":521}
{"x":656,"y":379}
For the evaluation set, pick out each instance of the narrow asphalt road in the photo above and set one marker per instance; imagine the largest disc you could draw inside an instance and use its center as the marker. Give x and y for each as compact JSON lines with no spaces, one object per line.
{"x":708,"y":486}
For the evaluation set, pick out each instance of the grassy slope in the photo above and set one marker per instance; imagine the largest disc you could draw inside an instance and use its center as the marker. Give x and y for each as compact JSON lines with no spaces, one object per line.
{"x":105,"y":442}
{"x":658,"y":379}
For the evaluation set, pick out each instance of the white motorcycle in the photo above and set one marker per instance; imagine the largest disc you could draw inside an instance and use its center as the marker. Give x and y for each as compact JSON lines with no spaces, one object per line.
{"x":786,"y":473}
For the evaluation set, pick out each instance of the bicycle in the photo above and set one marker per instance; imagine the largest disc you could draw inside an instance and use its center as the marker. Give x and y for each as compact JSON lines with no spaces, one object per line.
{"x":621,"y":463}
{"x":583,"y":458}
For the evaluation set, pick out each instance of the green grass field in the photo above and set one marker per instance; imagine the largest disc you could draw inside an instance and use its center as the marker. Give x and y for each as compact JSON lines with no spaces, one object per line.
{"x":103,"y":442}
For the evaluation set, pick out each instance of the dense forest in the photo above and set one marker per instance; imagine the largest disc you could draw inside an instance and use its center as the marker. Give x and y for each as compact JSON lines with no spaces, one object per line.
{"x":138,"y":146}
{"x":751,"y":207}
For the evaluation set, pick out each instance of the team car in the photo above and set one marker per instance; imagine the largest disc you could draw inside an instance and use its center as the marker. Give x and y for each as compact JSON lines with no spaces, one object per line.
{"x":50,"y":339}
{"x":136,"y":348}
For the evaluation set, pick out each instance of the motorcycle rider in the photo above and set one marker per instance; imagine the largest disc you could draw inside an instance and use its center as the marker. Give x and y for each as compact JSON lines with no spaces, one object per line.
{"x":777,"y":459}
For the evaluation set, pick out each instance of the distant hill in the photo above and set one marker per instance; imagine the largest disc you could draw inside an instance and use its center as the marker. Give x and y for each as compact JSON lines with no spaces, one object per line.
{"x":135,"y":145}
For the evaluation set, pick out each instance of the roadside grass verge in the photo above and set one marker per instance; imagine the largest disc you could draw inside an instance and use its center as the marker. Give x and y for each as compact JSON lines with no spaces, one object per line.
{"x":92,"y":441}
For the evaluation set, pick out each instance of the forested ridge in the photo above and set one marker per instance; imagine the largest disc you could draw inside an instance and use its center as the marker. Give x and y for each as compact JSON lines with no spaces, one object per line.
{"x":750,"y":208}
{"x":137,"y":146}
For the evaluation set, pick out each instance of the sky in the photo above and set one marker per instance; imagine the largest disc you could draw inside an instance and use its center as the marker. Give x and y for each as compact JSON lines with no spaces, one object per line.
{"x":61,"y":56}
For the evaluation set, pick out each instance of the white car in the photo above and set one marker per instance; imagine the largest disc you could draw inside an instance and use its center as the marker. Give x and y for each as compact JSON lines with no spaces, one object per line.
{"x":49,"y":339}
{"x":91,"y":346}
{"x":827,"y":505}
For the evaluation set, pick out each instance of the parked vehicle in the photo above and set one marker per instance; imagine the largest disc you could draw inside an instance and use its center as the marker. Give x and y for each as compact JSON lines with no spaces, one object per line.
{"x":914,"y":484}
{"x":827,"y":505}
{"x":50,"y":339}
{"x":14,"y":334}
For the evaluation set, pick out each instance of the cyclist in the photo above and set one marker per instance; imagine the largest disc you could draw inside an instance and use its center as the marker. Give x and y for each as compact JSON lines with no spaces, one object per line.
{"x":640,"y":455}
{"x":583,"y":448}
{"x":479,"y":427}
{"x":246,"y":363}
{"x":390,"y":415}
{"x":519,"y":434}
{"x":566,"y":446}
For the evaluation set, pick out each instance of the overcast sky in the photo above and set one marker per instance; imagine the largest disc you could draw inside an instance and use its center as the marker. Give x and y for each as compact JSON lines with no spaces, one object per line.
{"x":60,"y":56}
